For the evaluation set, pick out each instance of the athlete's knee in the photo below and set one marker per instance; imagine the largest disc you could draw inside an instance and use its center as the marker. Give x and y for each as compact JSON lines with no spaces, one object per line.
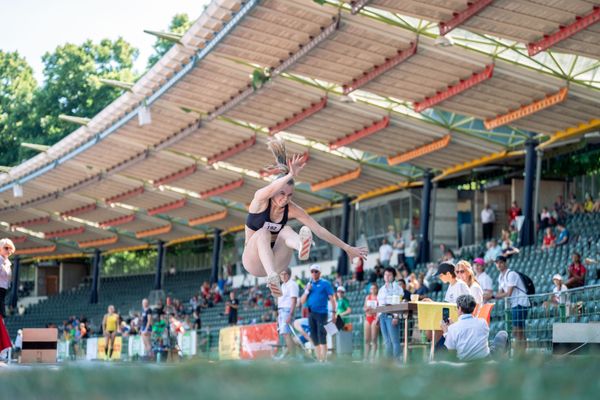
{"x":263,"y":234}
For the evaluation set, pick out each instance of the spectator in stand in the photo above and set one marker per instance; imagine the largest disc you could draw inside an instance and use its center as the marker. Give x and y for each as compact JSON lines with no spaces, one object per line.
{"x":196,"y":321}
{"x":511,"y":285}
{"x":339,"y":281}
{"x":286,"y":307}
{"x":423,"y":289}
{"x":194,"y":302}
{"x":391,"y":234}
{"x":573,"y":206}
{"x":563,"y":235}
{"x":492,"y":252}
{"x":389,"y":322}
{"x":371,"y":327}
{"x":545,"y":218}
{"x":205,"y":290}
{"x":317,"y":294}
{"x":410,"y":252}
{"x":549,"y":240}
{"x":505,"y":239}
{"x":385,"y":253}
{"x":170,"y":307}
{"x":509,"y":250}
{"x":465,"y":272}
{"x":560,"y":209}
{"x":231,"y":309}
{"x":513,"y":213}
{"x":359,"y":269}
{"x":487,"y":220}
{"x":343,"y":305}
{"x":596,"y":206}
{"x":486,"y":283}
{"x":576,"y":272}
{"x":399,"y":248}
{"x":430,"y":280}
{"x":588,"y":203}
{"x":216,"y":294}
{"x":405,"y":293}
{"x":559,"y":292}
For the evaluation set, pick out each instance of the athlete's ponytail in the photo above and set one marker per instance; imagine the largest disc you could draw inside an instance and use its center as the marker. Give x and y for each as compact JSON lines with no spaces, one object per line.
{"x":277,"y":147}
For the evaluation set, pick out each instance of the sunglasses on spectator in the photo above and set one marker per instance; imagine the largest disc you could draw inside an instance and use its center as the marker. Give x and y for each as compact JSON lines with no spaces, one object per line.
{"x":8,"y":248}
{"x":315,"y":272}
{"x":460,"y":271}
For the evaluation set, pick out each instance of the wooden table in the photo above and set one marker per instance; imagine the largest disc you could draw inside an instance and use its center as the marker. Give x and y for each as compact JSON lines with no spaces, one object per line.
{"x":404,"y":310}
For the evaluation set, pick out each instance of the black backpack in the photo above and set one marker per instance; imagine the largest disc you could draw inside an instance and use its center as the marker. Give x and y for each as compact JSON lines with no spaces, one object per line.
{"x":529,"y":286}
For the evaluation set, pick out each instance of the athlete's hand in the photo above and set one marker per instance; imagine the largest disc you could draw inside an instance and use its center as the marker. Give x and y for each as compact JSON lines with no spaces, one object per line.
{"x":357,"y":252}
{"x":296,"y":163}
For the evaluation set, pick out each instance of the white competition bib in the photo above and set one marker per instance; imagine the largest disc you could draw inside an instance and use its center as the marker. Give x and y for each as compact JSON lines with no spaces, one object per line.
{"x":272,"y":227}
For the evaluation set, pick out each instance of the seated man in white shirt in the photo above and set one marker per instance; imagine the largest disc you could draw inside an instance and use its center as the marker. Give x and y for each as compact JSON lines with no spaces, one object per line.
{"x":469,"y":335}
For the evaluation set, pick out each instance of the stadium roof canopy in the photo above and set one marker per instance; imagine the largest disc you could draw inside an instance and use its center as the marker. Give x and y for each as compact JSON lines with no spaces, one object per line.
{"x":368,"y":91}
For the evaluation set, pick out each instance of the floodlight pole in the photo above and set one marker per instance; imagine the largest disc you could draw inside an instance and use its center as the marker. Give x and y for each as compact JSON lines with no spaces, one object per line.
{"x":342,"y":266}
{"x":528,"y":227}
{"x":95,"y":276}
{"x":536,"y":201}
{"x":425,"y":213}
{"x":216,"y":256}
{"x":160,"y":258}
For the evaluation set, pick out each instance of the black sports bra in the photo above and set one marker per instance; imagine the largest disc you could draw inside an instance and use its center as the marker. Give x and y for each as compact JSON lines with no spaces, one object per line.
{"x":255,"y":221}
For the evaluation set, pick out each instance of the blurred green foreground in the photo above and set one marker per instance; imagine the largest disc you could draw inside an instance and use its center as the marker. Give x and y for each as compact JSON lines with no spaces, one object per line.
{"x":532,"y":378}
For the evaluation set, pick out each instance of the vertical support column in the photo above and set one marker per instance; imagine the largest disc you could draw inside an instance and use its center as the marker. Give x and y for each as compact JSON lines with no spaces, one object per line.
{"x":216,"y":256}
{"x":160,"y":258}
{"x":95,"y":276}
{"x":425,"y":212}
{"x":15,"y":283}
{"x":528,"y":228}
{"x":342,"y":266}
{"x":536,"y":201}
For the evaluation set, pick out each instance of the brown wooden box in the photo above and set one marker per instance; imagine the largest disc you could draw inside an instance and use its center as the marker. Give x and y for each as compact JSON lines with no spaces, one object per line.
{"x":39,"y":345}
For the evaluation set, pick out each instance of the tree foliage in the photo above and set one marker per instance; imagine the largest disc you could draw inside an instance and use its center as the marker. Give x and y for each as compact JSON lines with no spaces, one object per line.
{"x":180,"y":23}
{"x":71,"y":86}
{"x":17,"y":87}
{"x":72,"y":82}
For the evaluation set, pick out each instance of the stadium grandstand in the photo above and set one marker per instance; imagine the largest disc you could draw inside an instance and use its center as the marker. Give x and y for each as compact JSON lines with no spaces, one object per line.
{"x":415,"y":118}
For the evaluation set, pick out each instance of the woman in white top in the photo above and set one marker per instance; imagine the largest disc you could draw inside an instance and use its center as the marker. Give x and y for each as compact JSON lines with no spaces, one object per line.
{"x":7,"y":248}
{"x":465,"y":272}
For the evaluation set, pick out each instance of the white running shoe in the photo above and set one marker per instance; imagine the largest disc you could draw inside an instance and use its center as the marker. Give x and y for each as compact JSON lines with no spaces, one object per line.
{"x":305,"y":243}
{"x":274,"y":284}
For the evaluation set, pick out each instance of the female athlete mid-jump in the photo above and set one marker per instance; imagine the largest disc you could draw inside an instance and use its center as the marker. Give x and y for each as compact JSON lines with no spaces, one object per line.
{"x":269,"y":242}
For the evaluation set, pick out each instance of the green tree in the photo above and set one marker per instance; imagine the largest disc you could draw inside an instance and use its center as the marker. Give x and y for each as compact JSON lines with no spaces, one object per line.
{"x":180,"y":23}
{"x":72,"y":83}
{"x":17,"y":88}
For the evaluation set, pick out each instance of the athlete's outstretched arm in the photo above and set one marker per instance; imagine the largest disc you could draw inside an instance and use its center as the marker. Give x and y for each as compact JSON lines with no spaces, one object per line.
{"x":295,"y":164}
{"x":302,"y":216}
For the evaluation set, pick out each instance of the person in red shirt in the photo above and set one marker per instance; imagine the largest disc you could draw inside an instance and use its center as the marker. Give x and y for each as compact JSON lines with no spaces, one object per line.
{"x":513,"y":213}
{"x":577,"y":272}
{"x":549,"y":239}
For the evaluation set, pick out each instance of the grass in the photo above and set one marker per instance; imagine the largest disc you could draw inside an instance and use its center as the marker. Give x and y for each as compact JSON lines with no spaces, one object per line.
{"x":531,"y":378}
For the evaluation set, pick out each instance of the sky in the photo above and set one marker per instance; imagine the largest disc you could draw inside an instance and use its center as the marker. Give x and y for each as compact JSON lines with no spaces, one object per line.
{"x":34,"y":27}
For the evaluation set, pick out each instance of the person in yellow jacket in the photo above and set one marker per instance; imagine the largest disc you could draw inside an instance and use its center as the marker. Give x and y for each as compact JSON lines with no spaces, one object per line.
{"x":110,"y":327}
